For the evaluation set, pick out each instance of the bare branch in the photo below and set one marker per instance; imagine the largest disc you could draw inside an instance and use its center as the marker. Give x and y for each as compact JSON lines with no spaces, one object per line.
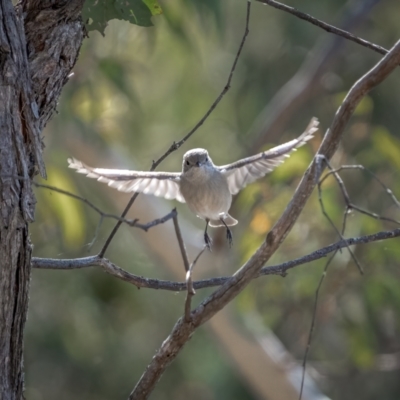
{"x":312,"y":327}
{"x":117,"y":225}
{"x":182,"y":330}
{"x":188,"y":268}
{"x":176,"y":145}
{"x":189,"y":283}
{"x":325,"y":26}
{"x":306,"y":83}
{"x":181,"y":242}
{"x":131,"y":222}
{"x":349,"y":207}
{"x":374,"y":176}
{"x":155,"y":222}
{"x":346,"y":196}
{"x":141,"y":282}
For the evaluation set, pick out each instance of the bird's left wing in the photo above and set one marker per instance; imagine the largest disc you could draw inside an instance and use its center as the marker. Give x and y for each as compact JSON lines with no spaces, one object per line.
{"x":247,"y":170}
{"x":162,"y":184}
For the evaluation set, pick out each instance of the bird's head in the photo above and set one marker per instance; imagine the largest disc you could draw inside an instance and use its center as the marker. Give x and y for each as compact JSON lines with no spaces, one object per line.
{"x":196,"y":160}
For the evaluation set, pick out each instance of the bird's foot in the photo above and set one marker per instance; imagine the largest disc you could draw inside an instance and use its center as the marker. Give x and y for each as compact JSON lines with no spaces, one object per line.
{"x":207,"y":240}
{"x":229,"y":237}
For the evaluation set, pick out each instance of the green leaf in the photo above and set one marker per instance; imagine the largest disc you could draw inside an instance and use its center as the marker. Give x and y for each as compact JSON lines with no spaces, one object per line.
{"x":97,"y":13}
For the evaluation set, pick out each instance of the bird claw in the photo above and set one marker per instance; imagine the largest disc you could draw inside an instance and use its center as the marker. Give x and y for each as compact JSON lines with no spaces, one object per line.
{"x":207,"y":240}
{"x":229,"y":237}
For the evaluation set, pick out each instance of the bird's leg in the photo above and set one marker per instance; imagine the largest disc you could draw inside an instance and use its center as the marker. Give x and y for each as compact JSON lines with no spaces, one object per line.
{"x":228,"y":233}
{"x":207,"y":238}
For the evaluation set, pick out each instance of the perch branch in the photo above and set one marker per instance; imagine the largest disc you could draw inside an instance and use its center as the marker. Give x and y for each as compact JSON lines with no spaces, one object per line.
{"x":142,"y":282}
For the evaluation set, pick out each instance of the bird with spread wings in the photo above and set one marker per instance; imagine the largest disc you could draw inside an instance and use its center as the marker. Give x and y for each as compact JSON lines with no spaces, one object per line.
{"x":205,"y":187}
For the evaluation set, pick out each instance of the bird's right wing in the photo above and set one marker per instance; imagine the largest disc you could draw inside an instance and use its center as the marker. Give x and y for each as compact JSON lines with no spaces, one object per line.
{"x":240,"y":173}
{"x":161,"y":184}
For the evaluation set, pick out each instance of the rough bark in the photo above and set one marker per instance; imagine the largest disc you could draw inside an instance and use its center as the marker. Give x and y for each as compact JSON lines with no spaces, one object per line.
{"x":39,"y":44}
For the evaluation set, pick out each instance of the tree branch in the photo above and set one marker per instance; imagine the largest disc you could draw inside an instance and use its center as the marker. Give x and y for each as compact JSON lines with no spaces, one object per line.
{"x":131,"y":222}
{"x":149,"y":283}
{"x":325,"y":26}
{"x":189,"y":284}
{"x":183,"y":330}
{"x":306,"y":83}
{"x":181,"y":242}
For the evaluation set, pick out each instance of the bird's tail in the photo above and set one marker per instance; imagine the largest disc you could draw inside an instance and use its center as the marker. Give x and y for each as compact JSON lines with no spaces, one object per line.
{"x":229,"y":221}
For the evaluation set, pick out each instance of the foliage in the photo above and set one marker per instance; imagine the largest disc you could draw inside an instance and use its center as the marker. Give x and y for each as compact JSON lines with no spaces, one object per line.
{"x":98,"y":13}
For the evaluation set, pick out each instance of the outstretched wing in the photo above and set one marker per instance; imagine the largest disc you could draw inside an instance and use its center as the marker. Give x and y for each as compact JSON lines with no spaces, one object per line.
{"x":247,"y":170}
{"x":161,"y":184}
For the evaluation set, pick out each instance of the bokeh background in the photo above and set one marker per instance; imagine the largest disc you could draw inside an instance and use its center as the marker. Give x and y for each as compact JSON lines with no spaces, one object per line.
{"x":135,"y":91}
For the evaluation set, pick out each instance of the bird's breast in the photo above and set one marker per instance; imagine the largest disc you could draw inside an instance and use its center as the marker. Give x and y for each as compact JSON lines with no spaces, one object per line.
{"x":207,"y":196}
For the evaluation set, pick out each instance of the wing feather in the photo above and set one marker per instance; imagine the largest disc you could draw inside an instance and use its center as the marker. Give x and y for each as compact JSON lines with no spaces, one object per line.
{"x":161,"y":184}
{"x":247,"y":170}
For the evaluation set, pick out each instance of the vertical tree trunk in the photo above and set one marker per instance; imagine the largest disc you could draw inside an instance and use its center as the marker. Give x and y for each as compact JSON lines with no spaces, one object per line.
{"x":39,"y":45}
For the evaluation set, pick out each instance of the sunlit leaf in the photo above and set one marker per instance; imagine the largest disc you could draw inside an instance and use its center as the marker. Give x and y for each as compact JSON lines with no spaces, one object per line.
{"x":97,"y":13}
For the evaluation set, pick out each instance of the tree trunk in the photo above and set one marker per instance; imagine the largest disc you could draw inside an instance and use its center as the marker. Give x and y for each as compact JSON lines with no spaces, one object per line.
{"x":39,"y":45}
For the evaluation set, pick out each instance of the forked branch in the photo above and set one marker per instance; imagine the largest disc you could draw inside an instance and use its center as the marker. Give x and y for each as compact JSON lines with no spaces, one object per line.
{"x":229,"y":290}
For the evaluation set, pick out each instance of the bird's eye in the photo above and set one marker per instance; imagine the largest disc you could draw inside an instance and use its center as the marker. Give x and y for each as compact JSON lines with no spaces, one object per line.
{"x":206,"y":159}
{"x":187,"y":163}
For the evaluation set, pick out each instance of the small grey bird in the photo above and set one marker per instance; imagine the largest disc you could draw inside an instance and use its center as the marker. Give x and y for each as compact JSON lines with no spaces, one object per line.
{"x":206,"y":188}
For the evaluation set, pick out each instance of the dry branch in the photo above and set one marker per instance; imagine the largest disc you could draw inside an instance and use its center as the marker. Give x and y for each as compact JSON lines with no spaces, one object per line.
{"x":149,"y":283}
{"x":131,"y":222}
{"x":327,"y":27}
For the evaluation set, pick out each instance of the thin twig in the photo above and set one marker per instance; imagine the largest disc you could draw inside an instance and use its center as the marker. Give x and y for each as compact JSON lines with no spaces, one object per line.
{"x":189,"y":283}
{"x":117,"y":225}
{"x":157,"y":221}
{"x":362,"y":168}
{"x":306,"y":83}
{"x":178,"y":144}
{"x":349,"y":207}
{"x":325,"y":26}
{"x":310,"y":334}
{"x":188,"y":268}
{"x":142,"y":282}
{"x":96,"y":233}
{"x":181,"y":243}
{"x":83,"y":200}
{"x":131,"y":222}
{"x":346,"y":196}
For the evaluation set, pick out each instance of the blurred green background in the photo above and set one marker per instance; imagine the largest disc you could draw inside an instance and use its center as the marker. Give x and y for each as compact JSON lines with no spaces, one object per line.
{"x":90,"y":336}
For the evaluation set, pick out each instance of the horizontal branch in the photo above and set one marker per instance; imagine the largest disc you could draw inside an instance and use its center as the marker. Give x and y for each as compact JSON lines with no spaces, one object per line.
{"x":150,"y":283}
{"x":327,"y":27}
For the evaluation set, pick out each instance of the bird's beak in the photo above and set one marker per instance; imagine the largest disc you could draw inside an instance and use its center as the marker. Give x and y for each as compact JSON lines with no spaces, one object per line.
{"x":198,"y":164}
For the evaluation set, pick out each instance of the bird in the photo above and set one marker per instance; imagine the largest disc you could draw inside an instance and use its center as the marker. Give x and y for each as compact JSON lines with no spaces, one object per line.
{"x":205,"y":187}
